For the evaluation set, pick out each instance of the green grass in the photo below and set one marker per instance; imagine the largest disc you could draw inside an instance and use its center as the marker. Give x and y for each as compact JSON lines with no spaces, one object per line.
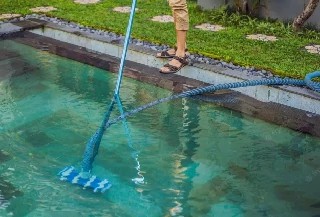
{"x":285,"y":57}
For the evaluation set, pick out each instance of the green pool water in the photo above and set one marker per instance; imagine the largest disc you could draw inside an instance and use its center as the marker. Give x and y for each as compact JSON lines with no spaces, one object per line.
{"x":187,"y":157}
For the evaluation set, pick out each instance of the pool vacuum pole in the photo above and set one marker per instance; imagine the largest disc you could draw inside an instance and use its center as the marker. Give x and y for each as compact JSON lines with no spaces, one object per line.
{"x":125,"y":48}
{"x":84,"y":177}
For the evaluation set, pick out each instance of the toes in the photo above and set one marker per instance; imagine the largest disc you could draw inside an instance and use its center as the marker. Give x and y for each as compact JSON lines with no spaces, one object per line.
{"x":164,"y":69}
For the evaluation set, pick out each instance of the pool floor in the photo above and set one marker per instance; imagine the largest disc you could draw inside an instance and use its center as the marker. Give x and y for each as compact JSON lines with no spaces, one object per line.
{"x":182,"y":158}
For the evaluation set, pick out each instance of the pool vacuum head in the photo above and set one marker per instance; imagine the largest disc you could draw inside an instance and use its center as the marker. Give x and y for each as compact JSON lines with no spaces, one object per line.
{"x":71,"y":175}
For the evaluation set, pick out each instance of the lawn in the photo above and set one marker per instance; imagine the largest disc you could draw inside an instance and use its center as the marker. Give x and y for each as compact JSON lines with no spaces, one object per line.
{"x":285,"y":57}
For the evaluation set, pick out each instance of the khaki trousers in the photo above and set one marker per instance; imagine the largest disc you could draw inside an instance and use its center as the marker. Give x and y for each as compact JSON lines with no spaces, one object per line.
{"x":180,"y":14}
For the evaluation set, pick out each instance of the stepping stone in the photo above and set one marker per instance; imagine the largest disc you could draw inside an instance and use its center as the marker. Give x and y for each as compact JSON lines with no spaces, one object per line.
{"x":261,"y":37}
{"x":9,"y":16}
{"x":43,"y":9}
{"x":163,"y":19}
{"x":125,"y":9}
{"x":86,"y":1}
{"x":209,"y":27}
{"x":315,"y":49}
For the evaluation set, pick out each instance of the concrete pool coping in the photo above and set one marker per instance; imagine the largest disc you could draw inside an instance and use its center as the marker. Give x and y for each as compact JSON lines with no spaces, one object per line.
{"x":292,"y":107}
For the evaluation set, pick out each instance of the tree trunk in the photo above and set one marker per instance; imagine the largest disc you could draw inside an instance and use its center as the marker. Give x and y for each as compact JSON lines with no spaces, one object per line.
{"x":304,"y":16}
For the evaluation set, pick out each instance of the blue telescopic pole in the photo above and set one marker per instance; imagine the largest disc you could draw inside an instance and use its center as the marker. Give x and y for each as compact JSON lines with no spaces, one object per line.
{"x":92,"y":146}
{"x":125,"y":47}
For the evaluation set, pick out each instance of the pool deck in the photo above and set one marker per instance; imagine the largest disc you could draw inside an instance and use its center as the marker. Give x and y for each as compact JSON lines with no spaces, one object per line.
{"x":292,"y":107}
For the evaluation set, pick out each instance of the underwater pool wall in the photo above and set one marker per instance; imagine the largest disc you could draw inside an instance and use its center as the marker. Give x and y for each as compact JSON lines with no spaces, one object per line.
{"x":293,"y":107}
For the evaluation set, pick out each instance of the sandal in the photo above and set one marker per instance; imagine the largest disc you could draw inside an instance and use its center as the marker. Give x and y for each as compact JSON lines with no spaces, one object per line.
{"x":173,"y":69}
{"x":166,"y":54}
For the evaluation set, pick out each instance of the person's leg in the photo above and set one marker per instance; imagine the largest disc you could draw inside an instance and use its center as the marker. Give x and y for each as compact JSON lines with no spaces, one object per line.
{"x":181,"y":42}
{"x":181,"y":21}
{"x":180,"y":50}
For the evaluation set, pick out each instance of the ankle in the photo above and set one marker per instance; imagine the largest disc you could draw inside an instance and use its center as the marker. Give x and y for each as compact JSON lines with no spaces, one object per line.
{"x":181,"y":53}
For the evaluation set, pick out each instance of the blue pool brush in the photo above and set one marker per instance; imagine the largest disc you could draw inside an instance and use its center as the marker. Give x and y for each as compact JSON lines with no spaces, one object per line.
{"x":71,"y":175}
{"x":84,"y":177}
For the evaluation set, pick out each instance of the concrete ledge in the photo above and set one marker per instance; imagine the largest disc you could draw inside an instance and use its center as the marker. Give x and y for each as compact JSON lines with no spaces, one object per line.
{"x":296,"y":108}
{"x":13,"y":29}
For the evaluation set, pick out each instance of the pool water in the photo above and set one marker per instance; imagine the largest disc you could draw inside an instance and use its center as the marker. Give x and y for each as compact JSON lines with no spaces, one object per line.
{"x":182,"y":158}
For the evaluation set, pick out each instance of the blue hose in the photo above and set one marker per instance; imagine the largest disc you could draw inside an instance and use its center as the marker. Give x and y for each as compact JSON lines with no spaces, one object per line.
{"x":211,"y":88}
{"x":311,"y":84}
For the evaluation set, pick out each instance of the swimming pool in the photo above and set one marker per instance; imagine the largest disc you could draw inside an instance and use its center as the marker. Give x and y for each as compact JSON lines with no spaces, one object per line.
{"x":188,"y":157}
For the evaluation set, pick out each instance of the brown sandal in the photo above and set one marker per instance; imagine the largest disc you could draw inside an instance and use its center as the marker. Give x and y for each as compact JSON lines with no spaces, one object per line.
{"x":166,"y":54}
{"x":174,"y":69}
